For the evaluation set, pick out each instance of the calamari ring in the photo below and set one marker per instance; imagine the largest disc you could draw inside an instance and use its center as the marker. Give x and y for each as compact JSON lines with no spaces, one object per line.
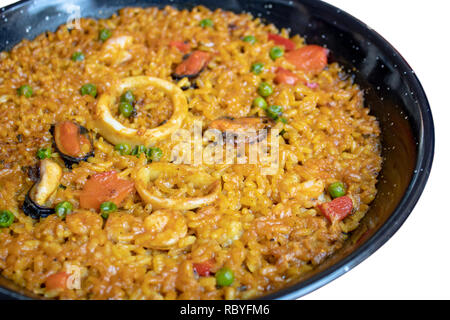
{"x":150,"y":172}
{"x":115,"y":132}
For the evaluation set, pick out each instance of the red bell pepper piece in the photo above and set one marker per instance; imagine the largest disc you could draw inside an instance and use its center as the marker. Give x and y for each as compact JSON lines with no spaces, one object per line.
{"x":311,"y":58}
{"x":203,"y":269}
{"x":337,"y":209}
{"x":285,"y":76}
{"x":102,"y":187}
{"x":57,"y":281}
{"x":279,"y":40}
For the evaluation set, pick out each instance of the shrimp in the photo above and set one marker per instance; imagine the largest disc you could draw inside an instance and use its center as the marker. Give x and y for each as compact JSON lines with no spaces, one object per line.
{"x":115,"y":52}
{"x":84,"y":222}
{"x":163,"y":230}
{"x":123,"y":227}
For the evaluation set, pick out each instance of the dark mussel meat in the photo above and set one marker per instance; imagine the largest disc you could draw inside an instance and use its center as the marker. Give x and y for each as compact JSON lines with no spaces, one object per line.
{"x":72,"y":141}
{"x":192,"y":65}
{"x":50,"y":174}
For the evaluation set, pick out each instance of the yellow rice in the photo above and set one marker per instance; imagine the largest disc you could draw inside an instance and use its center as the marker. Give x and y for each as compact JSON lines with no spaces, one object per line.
{"x":265,"y":228}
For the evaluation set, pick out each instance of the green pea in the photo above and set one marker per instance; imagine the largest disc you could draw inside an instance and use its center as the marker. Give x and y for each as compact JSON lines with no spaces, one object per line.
{"x":128,"y":96}
{"x":265,"y":89}
{"x":104,"y":34}
{"x":89,"y":89}
{"x":123,"y":148}
{"x":44,"y":153}
{"x":78,"y":56}
{"x":106,"y":208}
{"x":257,"y":67}
{"x":138,"y":150}
{"x":6,"y":218}
{"x":64,"y":208}
{"x":206,"y":23}
{"x":154,"y":154}
{"x":25,"y":91}
{"x":224,"y":277}
{"x":274,"y":111}
{"x":284,"y":120}
{"x":249,"y":39}
{"x":337,"y":189}
{"x":260,"y":102}
{"x":126,"y":109}
{"x":276,"y":52}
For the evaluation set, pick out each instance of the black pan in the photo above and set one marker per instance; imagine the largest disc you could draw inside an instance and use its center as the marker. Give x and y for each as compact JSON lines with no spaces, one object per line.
{"x":392,"y":92}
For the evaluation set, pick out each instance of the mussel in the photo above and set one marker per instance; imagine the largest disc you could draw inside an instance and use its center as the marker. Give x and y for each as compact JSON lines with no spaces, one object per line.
{"x":50,"y":174}
{"x":72,"y":141}
{"x":231,"y":128}
{"x":192,"y":65}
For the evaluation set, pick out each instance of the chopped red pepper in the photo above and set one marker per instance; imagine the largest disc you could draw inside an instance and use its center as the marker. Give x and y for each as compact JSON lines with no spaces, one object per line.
{"x":311,"y":58}
{"x":337,"y":209}
{"x":102,"y":187}
{"x":203,"y":269}
{"x":279,"y":40}
{"x":285,"y":76}
{"x":192,"y":66}
{"x":57,"y":281}
{"x":181,"y":45}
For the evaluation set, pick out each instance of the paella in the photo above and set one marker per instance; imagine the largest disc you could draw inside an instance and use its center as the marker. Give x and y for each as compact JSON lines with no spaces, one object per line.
{"x":177,"y":154}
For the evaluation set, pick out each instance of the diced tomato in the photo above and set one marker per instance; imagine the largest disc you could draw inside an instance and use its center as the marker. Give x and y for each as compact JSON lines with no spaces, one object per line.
{"x":193,"y":64}
{"x":279,"y":40}
{"x":67,"y":138}
{"x":181,"y":45}
{"x":102,"y":187}
{"x":337,"y":209}
{"x":203,"y":269}
{"x":285,"y":76}
{"x":57,"y":281}
{"x":311,"y":58}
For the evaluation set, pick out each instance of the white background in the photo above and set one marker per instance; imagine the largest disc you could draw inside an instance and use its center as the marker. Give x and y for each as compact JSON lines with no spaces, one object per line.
{"x":415,"y":262}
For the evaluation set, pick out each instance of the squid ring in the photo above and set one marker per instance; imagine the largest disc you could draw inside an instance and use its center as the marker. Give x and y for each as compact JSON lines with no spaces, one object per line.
{"x":151,"y":172}
{"x":115,"y":132}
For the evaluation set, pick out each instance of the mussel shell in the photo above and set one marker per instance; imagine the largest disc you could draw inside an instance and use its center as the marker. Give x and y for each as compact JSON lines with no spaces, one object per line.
{"x":69,"y":160}
{"x":35,"y":211}
{"x":192,"y":86}
{"x":176,"y":76}
{"x":189,"y":76}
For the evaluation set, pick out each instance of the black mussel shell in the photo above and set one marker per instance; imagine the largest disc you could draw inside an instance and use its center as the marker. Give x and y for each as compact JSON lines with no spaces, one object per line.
{"x":69,"y":160}
{"x":189,"y":76}
{"x":34,"y":210}
{"x":192,"y":86}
